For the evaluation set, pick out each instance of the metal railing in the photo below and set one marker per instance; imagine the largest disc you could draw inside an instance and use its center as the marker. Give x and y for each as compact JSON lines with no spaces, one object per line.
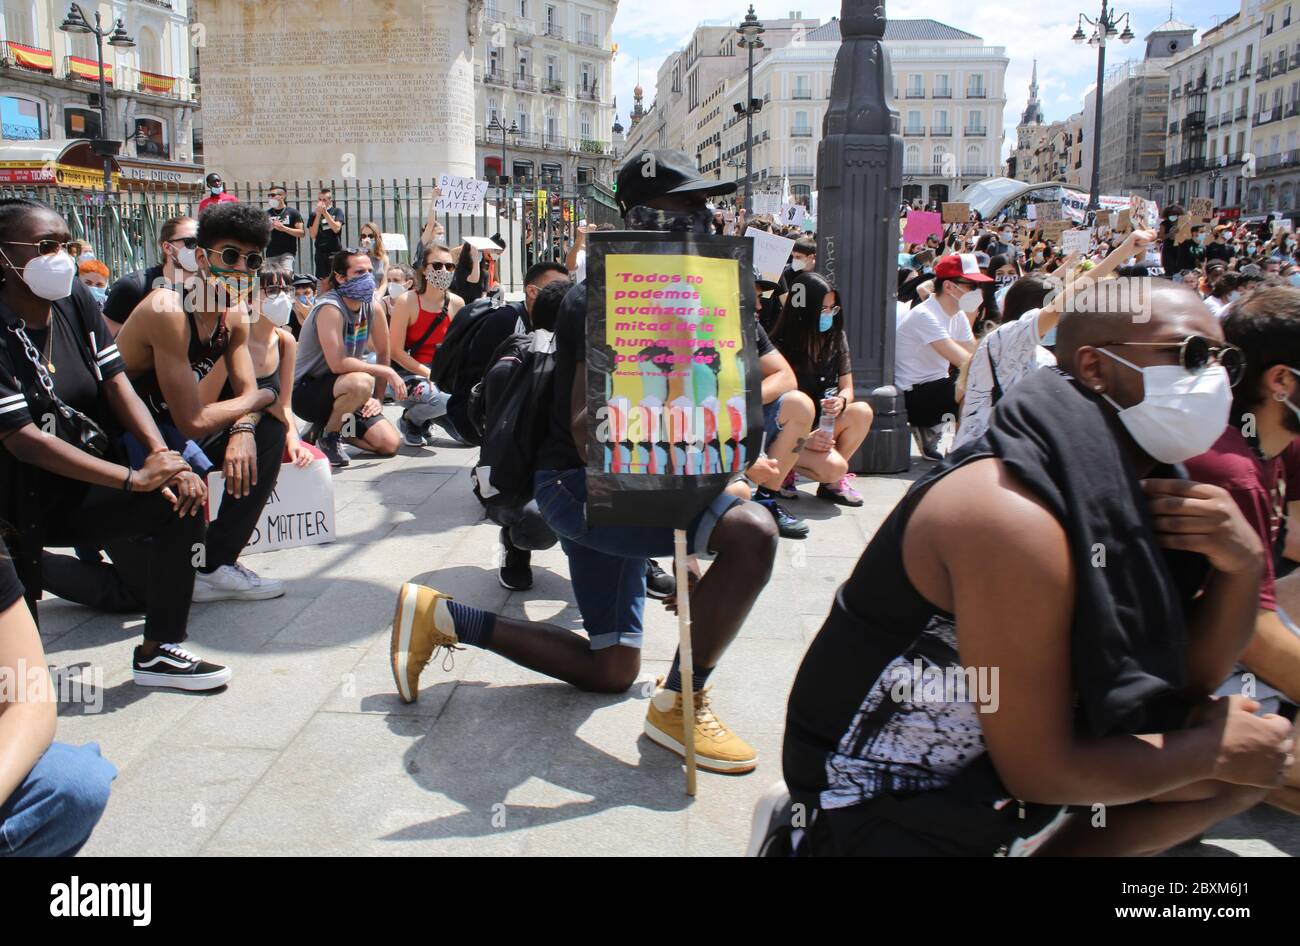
{"x":942,"y":93}
{"x":801,"y":132}
{"x":526,"y":82}
{"x":916,"y":93}
{"x":588,"y":39}
{"x":492,"y":77}
{"x":553,"y":30}
{"x":123,"y":228}
{"x":913,"y":132}
{"x":976,"y":93}
{"x":975,"y":132}
{"x":940,"y":131}
{"x":552,"y":86}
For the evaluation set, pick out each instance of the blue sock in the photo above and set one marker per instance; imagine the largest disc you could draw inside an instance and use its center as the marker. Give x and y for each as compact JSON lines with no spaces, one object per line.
{"x":698,"y":678}
{"x":474,"y":626}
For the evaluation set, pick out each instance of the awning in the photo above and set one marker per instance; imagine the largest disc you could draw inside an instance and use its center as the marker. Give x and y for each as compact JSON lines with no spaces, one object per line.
{"x":29,"y":57}
{"x":89,"y":69}
{"x":54,"y":164}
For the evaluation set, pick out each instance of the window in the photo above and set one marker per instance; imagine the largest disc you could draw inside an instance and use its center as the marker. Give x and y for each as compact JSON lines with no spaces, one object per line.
{"x":801,"y":126}
{"x":81,"y":123}
{"x":494,"y":62}
{"x":20,"y":22}
{"x":914,"y":88}
{"x":151,"y":138}
{"x":523,"y":122}
{"x":975,"y":86}
{"x":586,"y":77}
{"x":1268,"y":26}
{"x":584,"y":125}
{"x":552,"y":19}
{"x":22,"y":119}
{"x":941,"y":120}
{"x":941,"y":86}
{"x":523,"y":170}
{"x":975,"y":121}
{"x":552,"y":129}
{"x":493,"y":111}
{"x":912,"y":161}
{"x":802,"y":87}
{"x":552,"y":68}
{"x":523,"y":8}
{"x":914,"y":121}
{"x":149,"y":49}
{"x":938,"y":160}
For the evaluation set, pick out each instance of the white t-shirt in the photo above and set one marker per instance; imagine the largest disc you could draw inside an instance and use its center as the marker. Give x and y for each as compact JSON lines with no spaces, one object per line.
{"x":580,"y":272}
{"x":1216,"y":305}
{"x":915,"y":362}
{"x":1017,"y":351}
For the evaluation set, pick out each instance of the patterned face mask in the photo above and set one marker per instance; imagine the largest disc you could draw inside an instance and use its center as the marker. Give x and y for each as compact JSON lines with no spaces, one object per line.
{"x":438,"y":278}
{"x":642,"y":217}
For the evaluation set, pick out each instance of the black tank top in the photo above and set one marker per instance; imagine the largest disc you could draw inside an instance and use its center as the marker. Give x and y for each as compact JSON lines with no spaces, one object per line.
{"x":203,"y":354}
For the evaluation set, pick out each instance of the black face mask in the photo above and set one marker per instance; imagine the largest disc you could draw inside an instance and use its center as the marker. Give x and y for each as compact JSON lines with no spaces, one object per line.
{"x":642,"y":217}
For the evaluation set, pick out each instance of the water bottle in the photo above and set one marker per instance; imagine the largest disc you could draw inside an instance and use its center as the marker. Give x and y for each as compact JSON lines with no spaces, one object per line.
{"x":827,"y":423}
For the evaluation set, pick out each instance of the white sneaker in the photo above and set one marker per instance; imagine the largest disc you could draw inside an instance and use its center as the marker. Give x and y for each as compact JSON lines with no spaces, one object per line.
{"x":235,"y":583}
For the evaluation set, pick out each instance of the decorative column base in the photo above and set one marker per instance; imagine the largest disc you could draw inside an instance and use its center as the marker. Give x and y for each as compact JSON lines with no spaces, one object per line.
{"x":888,"y":448}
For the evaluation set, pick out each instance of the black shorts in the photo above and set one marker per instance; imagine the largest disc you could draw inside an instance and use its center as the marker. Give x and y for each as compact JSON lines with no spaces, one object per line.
{"x":323,"y":258}
{"x":928,"y":403}
{"x":313,"y":401}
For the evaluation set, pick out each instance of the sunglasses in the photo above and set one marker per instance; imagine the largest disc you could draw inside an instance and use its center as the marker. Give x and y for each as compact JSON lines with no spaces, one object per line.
{"x":448,"y":267}
{"x":1196,"y":353}
{"x":190,"y":243}
{"x":49,"y":247}
{"x":231,"y":257}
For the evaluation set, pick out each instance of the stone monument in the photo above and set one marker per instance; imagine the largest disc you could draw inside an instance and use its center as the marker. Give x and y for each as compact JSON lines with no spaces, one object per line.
{"x":859,"y":181}
{"x":296,"y":90}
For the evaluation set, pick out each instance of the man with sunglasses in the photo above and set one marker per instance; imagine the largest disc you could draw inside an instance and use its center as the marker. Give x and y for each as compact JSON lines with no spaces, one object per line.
{"x":177,"y":242}
{"x":1128,"y":593}
{"x":189,"y":329}
{"x":1257,"y":460}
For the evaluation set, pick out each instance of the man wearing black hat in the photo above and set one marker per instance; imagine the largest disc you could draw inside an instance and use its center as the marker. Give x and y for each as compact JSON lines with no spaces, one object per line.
{"x":657,"y":191}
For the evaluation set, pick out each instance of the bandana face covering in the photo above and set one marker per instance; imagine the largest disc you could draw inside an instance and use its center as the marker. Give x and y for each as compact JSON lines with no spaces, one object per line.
{"x":358,"y":287}
{"x":642,"y":217}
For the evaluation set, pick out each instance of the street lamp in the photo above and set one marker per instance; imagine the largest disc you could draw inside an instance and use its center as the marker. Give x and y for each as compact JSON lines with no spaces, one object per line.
{"x":75,"y":22}
{"x":496,"y":125}
{"x":749,"y":30}
{"x":1104,"y":27}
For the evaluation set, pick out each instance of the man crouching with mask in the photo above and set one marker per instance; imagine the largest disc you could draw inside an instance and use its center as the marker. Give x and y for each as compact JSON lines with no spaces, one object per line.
{"x":658,"y":191}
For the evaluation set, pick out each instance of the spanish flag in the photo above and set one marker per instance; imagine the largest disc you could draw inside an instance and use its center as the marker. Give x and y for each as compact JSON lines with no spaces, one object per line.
{"x":89,"y":69}
{"x":158,"y":85}
{"x":29,"y":57}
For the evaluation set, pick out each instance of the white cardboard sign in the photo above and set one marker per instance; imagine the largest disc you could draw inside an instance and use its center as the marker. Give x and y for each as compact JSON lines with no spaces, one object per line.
{"x":299,"y":511}
{"x":460,"y":195}
{"x":1076,"y":241}
{"x":770,"y":252}
{"x":792,"y":214}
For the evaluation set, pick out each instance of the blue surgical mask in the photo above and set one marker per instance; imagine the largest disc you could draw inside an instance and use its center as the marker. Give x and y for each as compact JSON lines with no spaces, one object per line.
{"x":1294,"y":279}
{"x":827,"y":319}
{"x":101,"y":294}
{"x":1050,"y":338}
{"x":358,"y":287}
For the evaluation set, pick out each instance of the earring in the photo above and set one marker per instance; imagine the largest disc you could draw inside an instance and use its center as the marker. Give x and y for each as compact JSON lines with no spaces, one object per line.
{"x":1279,"y":395}
{"x":1097,"y":388}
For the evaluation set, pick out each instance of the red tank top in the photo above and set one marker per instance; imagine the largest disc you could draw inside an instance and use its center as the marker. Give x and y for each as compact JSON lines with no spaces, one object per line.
{"x":415,"y":331}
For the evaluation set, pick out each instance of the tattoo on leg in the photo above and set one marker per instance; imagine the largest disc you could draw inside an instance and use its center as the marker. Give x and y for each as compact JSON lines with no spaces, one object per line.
{"x":798,"y":444}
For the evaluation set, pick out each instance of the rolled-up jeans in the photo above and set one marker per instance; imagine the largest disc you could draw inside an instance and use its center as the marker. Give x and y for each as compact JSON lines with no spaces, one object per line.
{"x":607,"y":563}
{"x":424,"y":402}
{"x":527,"y":528}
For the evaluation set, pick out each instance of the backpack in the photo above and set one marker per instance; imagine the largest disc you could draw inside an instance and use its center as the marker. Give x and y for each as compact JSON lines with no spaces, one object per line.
{"x":511,"y":349}
{"x":516,"y":422}
{"x":450,"y":357}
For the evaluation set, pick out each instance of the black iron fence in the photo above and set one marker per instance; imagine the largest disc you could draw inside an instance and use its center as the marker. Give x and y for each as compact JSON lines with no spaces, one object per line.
{"x":535,"y":223}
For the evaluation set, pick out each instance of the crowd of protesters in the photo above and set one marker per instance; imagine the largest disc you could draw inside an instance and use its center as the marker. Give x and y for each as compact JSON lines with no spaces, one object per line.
{"x":1155,"y":426}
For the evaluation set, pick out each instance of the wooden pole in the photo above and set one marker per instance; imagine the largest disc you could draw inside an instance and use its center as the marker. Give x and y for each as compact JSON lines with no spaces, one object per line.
{"x":684,"y":658}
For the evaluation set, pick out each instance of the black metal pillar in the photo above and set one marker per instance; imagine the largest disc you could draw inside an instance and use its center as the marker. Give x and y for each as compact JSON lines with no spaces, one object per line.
{"x":859,"y":175}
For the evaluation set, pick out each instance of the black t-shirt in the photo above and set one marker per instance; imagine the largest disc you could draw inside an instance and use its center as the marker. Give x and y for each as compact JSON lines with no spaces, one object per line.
{"x":498,"y":325}
{"x":817,"y":377}
{"x":558,"y":451}
{"x":22,"y":399}
{"x":282,"y":243}
{"x":762,"y":341}
{"x":327,"y":241}
{"x":128,"y":292}
{"x":1223,"y":251}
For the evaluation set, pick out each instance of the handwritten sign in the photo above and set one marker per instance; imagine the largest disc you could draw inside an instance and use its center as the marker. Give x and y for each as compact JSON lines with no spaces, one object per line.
{"x":1053,"y":229}
{"x":922,"y":224}
{"x":770,"y":252}
{"x":299,"y":511}
{"x":1201,"y":208}
{"x":460,"y":195}
{"x":1049,"y":210}
{"x":956,"y":213}
{"x":1075,"y":241}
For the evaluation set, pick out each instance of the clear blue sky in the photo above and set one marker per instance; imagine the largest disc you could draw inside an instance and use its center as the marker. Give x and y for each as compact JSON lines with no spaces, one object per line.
{"x":650,"y":29}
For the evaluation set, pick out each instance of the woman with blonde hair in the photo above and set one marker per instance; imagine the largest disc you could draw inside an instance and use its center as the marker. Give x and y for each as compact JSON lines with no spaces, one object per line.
{"x":372,"y":243}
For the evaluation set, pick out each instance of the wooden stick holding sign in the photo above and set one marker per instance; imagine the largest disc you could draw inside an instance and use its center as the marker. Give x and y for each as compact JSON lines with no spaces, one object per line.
{"x":685,"y":659}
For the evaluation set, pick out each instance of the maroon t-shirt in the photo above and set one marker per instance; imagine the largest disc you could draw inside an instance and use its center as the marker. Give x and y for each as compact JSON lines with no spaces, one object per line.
{"x":1262,"y":489}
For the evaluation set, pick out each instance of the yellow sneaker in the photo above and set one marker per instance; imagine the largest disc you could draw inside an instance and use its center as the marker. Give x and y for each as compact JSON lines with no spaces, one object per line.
{"x":417,"y":636}
{"x":717,"y":748}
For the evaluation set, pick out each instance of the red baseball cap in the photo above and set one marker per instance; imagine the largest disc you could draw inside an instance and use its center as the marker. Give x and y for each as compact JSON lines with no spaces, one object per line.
{"x":961,"y":266}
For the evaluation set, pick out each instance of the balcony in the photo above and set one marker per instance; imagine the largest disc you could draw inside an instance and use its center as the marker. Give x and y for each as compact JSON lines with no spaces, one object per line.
{"x":1265,"y":116}
{"x":554,"y":143}
{"x":976,"y":170}
{"x":1292,"y":108}
{"x":495,"y":77}
{"x":588,"y":94}
{"x":1173,"y":127}
{"x":525,"y":82}
{"x":977,"y":93}
{"x":802,"y":170}
{"x":801,"y":94}
{"x":1245,"y":72}
{"x":526,"y":139}
{"x":1216,"y":82}
{"x":552,"y":86}
{"x":1176,"y":92}
{"x":26,"y":58}
{"x":1264,"y":71}
{"x":943,"y":93}
{"x":588,"y":39}
{"x":1193,"y":120}
{"x":495,"y":14}
{"x":913,"y":132}
{"x":975,"y":132}
{"x":1241,"y":113}
{"x":1212,"y":122}
{"x":1230,"y":78}
{"x":938,"y":131}
{"x":1279,"y":67}
{"x":1187,"y":87}
{"x":1295,"y":60}
{"x":800,"y":132}
{"x":916,"y":93}
{"x":553,"y":30}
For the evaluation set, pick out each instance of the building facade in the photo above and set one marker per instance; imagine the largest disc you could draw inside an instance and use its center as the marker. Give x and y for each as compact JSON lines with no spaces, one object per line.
{"x":949,"y":95}
{"x":49,"y":85}
{"x":1211,"y":93}
{"x":1272,"y":155}
{"x":544,"y":91}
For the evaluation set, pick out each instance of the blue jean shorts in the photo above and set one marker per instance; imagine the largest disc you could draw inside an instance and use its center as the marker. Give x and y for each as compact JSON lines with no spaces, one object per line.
{"x":607,"y":563}
{"x":771,"y":421}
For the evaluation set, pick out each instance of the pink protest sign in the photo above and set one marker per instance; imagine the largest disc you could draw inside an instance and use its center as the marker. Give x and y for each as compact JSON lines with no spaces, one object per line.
{"x":921,"y":224}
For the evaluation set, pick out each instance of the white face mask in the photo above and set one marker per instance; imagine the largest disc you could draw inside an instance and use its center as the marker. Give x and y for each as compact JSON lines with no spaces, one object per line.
{"x":51,"y":277}
{"x":1181,"y":414}
{"x":1006,"y":236}
{"x":970,"y":301}
{"x":188,"y":261}
{"x":276,"y":203}
{"x":277,"y":308}
{"x":395,"y":289}
{"x":797,"y":265}
{"x":367,"y":243}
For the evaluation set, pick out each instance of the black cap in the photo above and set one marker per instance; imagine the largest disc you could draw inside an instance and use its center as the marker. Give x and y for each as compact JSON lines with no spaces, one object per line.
{"x":303,"y":280}
{"x":498,"y":240}
{"x":649,"y":174}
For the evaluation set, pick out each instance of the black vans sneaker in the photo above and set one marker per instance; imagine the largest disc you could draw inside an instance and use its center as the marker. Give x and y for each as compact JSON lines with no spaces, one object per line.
{"x":789,"y":526}
{"x":332,"y":446}
{"x":658,"y":583}
{"x":516,"y":571}
{"x":174,"y":666}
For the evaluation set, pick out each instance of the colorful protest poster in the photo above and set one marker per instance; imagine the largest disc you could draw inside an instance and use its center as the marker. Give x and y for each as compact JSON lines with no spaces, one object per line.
{"x":922,"y":224}
{"x":674,"y":403}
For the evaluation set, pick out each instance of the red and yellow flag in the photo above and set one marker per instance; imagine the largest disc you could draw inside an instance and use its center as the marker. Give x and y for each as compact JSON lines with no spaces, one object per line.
{"x":29,"y":57}
{"x":89,"y":69}
{"x":159,"y":85}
